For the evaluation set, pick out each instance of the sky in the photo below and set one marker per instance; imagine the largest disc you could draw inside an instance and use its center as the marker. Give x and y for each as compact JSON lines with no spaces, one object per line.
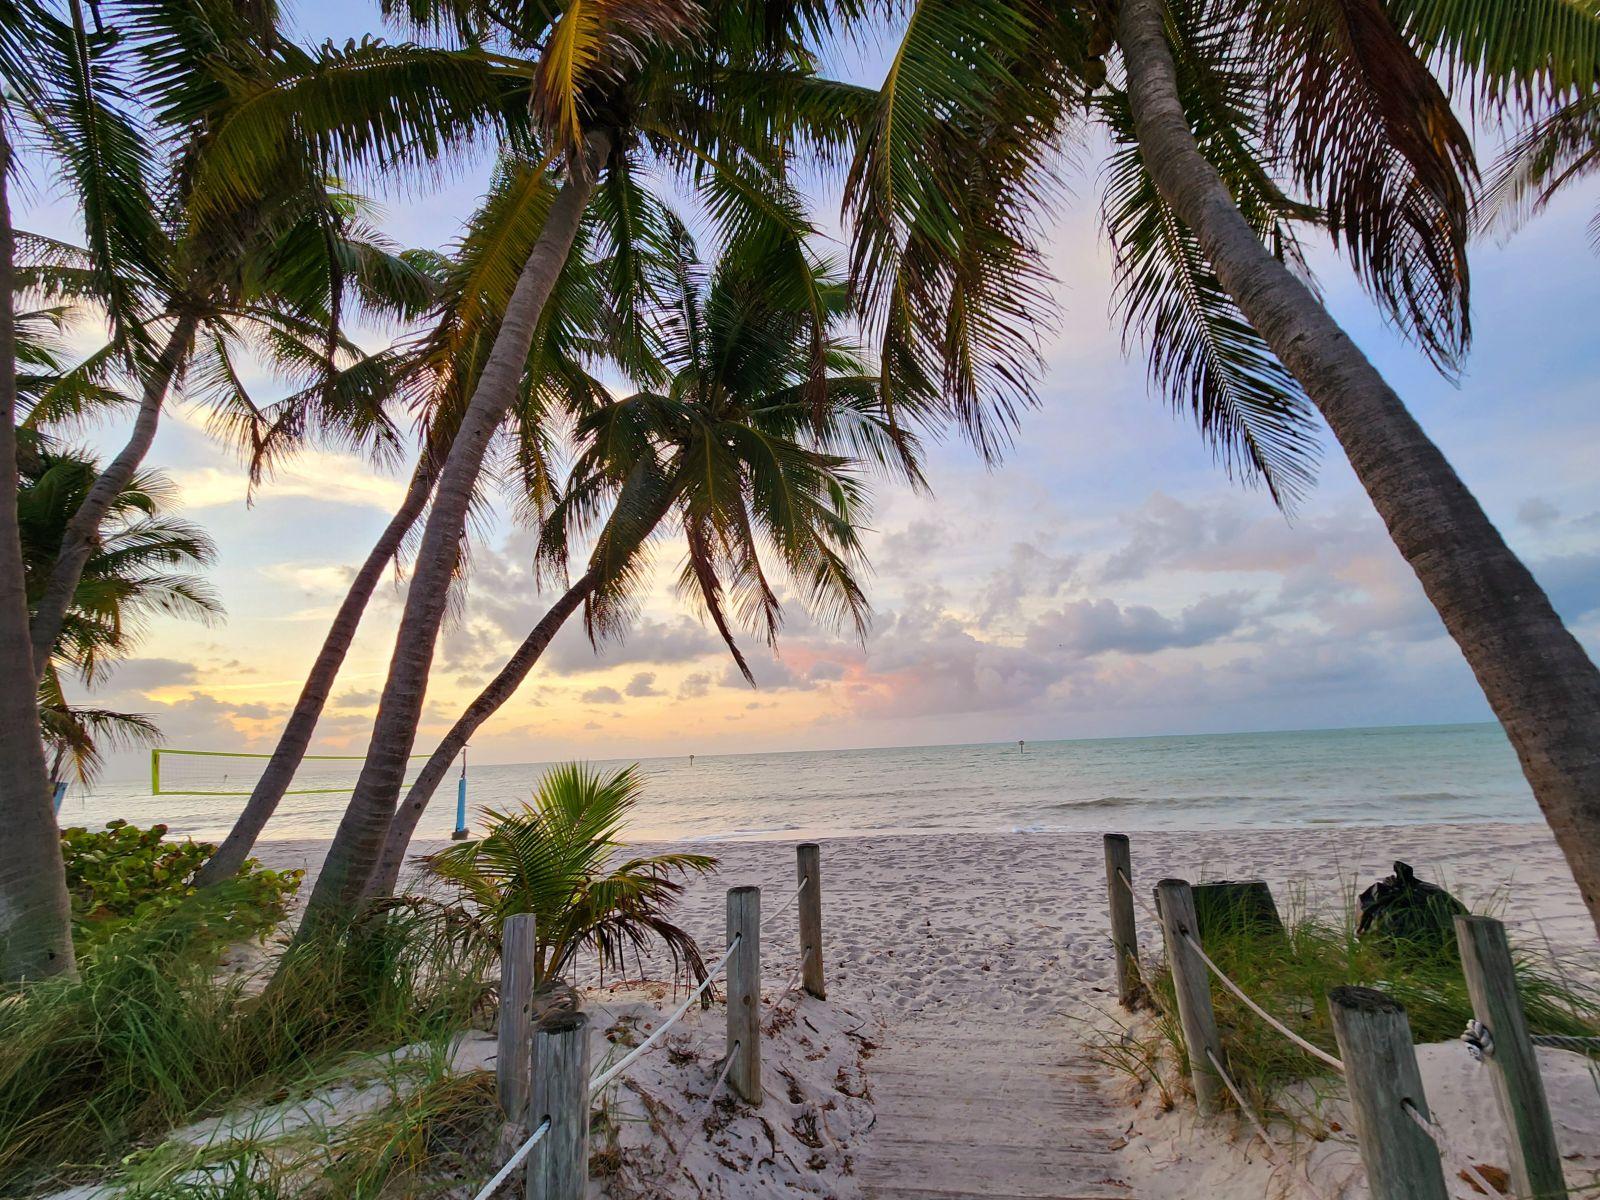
{"x":1106,"y":579}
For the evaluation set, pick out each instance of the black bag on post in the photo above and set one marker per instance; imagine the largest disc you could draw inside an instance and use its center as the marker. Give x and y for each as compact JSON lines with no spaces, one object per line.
{"x":1407,"y":911}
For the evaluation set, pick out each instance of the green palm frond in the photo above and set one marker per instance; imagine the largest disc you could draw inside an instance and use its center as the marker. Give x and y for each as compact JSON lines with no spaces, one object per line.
{"x":1540,"y":161}
{"x":558,"y":858}
{"x":145,"y":562}
{"x":84,"y":115}
{"x":1369,"y":135}
{"x":1203,"y":354}
{"x":949,"y":184}
{"x":1532,"y":52}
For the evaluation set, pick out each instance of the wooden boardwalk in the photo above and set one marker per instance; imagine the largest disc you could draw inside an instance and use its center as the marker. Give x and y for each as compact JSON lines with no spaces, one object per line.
{"x":996,"y":1114}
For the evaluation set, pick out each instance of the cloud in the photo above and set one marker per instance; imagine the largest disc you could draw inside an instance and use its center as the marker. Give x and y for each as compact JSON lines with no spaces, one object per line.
{"x":643,"y":684}
{"x":1028,"y":572}
{"x":356,"y":699}
{"x":694,"y":686}
{"x":1089,"y":627}
{"x":152,"y":674}
{"x":657,"y":642}
{"x":602,"y":695}
{"x":1538,"y":514}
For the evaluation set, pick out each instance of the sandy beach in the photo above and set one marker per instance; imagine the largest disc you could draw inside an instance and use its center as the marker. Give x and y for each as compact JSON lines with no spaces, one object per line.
{"x":998,"y":943}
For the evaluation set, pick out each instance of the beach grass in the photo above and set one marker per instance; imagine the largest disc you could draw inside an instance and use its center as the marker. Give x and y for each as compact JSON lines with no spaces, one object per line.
{"x":153,"y":1032}
{"x":1290,"y":972}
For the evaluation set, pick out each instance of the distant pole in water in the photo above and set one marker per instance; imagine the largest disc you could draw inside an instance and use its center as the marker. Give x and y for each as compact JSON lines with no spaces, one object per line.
{"x":691,"y":760}
{"x":460,"y":832}
{"x":1020,"y":744}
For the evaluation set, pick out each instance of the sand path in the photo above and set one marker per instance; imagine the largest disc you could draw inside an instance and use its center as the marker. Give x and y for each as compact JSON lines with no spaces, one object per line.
{"x":983,"y":955}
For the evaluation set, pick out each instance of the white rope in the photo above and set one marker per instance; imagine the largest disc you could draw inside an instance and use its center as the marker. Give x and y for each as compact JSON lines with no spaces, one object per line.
{"x":784,"y":907}
{"x":1261,"y":1130}
{"x":722,"y":1077}
{"x":1315,"y":1051}
{"x":1447,"y":1149}
{"x":514,"y":1161}
{"x":1140,"y":900}
{"x":599,"y":1082}
{"x":790,"y":986}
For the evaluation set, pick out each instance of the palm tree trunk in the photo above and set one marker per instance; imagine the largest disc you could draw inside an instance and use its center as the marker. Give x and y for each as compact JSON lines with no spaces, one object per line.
{"x":77,"y":544}
{"x":35,"y":910}
{"x":359,"y":840}
{"x":1538,"y":680}
{"x":488,"y":702}
{"x":302,"y":723}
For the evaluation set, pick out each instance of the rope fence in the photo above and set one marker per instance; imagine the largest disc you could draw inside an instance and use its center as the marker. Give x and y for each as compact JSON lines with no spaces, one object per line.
{"x":515,"y":1161}
{"x":599,"y":1083}
{"x":562,"y":1089}
{"x":1447,"y":1148}
{"x":1376,"y":1056}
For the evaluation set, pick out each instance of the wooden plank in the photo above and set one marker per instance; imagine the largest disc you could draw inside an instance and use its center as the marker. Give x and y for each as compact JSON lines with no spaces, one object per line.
{"x":558,"y":1166}
{"x":808,"y":871}
{"x":513,"y":1064}
{"x":1381,"y":1073}
{"x":1513,"y":1064}
{"x":744,"y":992}
{"x":1192,"y":985}
{"x":1124,"y":932}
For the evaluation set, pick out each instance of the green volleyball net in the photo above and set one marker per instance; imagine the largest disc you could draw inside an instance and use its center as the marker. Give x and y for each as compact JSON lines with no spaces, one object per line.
{"x":175,"y":772}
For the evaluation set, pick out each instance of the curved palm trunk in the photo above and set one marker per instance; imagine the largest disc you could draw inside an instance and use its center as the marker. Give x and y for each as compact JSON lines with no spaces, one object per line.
{"x":83,"y":531}
{"x":302,"y":723}
{"x":35,"y":912}
{"x":1539,"y":681}
{"x":359,"y":840}
{"x":488,"y":702}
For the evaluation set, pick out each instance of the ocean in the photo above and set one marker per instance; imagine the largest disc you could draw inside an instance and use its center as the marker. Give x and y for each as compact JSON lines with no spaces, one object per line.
{"x":1394,"y":775}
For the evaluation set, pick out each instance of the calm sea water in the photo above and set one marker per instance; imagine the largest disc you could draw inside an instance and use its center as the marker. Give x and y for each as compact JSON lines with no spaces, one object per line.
{"x":1414,"y":774}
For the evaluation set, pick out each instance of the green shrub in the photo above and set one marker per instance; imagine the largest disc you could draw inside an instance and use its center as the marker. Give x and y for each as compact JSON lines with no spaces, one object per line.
{"x":122,"y":873}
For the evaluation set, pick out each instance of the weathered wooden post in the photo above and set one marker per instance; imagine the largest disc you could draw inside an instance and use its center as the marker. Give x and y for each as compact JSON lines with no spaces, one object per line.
{"x":808,"y":878}
{"x":1192,"y":985}
{"x":1380,"y":1068}
{"x":558,"y":1167}
{"x":514,"y":1038}
{"x":744,"y":992}
{"x":1124,"y":934}
{"x":1511,"y":1060}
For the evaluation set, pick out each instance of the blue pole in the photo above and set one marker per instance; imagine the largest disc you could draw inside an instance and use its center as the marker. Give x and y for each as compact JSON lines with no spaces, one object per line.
{"x":460,"y":834}
{"x":61,"y":794}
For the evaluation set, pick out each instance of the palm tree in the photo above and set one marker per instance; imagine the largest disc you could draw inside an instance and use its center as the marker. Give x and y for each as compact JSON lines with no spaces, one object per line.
{"x":142,"y":564}
{"x":738,"y":450}
{"x":556,"y":858}
{"x":1228,"y":110}
{"x":180,"y":286}
{"x":274,"y":270}
{"x":439,"y":369}
{"x":722,"y":96}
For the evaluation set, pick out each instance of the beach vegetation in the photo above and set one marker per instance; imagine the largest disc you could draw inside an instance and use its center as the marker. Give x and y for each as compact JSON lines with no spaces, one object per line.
{"x":124,"y":873}
{"x":559,"y":858}
{"x":1290,"y":973}
{"x":155,"y":1030}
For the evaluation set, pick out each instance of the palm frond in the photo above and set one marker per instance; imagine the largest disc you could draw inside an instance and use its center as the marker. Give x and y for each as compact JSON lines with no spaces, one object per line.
{"x":1369,"y":135}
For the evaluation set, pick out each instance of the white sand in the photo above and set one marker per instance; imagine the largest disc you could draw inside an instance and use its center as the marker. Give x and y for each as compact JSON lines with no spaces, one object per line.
{"x":941,"y":932}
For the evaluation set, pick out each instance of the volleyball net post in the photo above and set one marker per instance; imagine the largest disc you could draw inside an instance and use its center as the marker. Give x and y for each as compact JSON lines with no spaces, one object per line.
{"x":459,"y":833}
